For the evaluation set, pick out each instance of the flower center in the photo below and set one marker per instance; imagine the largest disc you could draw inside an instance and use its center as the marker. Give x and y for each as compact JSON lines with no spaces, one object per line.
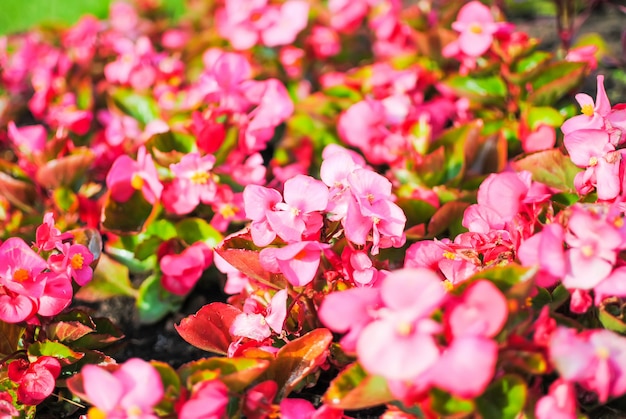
{"x":593,"y":160}
{"x":77,"y":261}
{"x":200,"y":178}
{"x":370,"y":198}
{"x":21,"y":275}
{"x":136,"y":182}
{"x":475,"y":28}
{"x":228,"y":211}
{"x":587,"y":250}
{"x":95,"y":413}
{"x":603,"y":353}
{"x":404,"y":329}
{"x":587,"y":110}
{"x":447,"y":285}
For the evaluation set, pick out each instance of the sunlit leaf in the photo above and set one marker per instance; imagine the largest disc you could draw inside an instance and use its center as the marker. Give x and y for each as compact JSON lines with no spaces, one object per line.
{"x":10,"y":335}
{"x":555,"y":81}
{"x":154,"y":302}
{"x":208,"y":329}
{"x":65,"y":171}
{"x":236,"y":373}
{"x":353,"y":388}
{"x":504,"y":399}
{"x":192,"y":230}
{"x":110,"y":279}
{"x":550,"y":167}
{"x":56,"y":349}
{"x":126,"y":217}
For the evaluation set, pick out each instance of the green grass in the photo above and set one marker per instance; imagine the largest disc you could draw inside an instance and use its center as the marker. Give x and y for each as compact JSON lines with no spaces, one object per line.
{"x":20,"y":15}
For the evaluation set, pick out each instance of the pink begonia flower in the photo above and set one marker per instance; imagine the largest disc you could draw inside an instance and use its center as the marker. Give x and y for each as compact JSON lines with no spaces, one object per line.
{"x":245,"y":169}
{"x":36,"y":380}
{"x":131,"y":391}
{"x":300,"y":213}
{"x":613,"y":286}
{"x":7,"y":410}
{"x":47,"y":236}
{"x":197,"y":183}
{"x":297,"y":261}
{"x":127,"y":176}
{"x":592,"y":149}
{"x":559,"y":403}
{"x":224,"y":80}
{"x":324,"y":41}
{"x":507,"y":192}
{"x":545,"y":249}
{"x":347,"y":15}
{"x":399,"y":343}
{"x":595,"y":359}
{"x":21,"y":280}
{"x":476,"y":26}
{"x":118,"y":128}
{"x":541,"y":138}
{"x":304,"y":409}
{"x":73,"y":261}
{"x":466,"y":367}
{"x":247,"y":23}
{"x":258,"y":201}
{"x":481,"y":310}
{"x":209,"y":399}
{"x":57,"y":294}
{"x":583,"y":54}
{"x":593,"y":114}
{"x":580,"y":301}
{"x":258,"y":400}
{"x":350,"y":312}
{"x":28,"y":139}
{"x":259,"y":326}
{"x":359,"y":266}
{"x":236,"y":282}
{"x":338,"y":163}
{"x":67,"y":115}
{"x":181,"y":272}
{"x":594,"y":244}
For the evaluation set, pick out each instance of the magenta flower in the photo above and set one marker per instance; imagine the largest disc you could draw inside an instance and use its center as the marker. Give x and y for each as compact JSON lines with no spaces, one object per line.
{"x":193,"y":183}
{"x":74,"y":262}
{"x":399,"y":344}
{"x":127,"y":176}
{"x":131,"y":391}
{"x":258,"y":202}
{"x":545,"y":249}
{"x":297,"y":261}
{"x":559,"y":403}
{"x":476,"y":27}
{"x":482,"y":310}
{"x":209,"y":399}
{"x":258,"y":325}
{"x":29,"y":139}
{"x":181,"y":272}
{"x":47,"y":236}
{"x":36,"y":380}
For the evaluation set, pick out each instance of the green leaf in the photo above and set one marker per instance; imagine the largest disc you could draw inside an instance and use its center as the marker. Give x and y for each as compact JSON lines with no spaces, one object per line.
{"x":504,"y":399}
{"x":543,"y":115}
{"x":506,"y":277}
{"x":529,"y":65}
{"x":56,"y":349}
{"x":163,"y":229}
{"x":66,"y":171}
{"x":65,"y":199}
{"x":171,"y":141}
{"x":556,"y":81}
{"x":105,"y":333}
{"x":446,"y":404}
{"x":126,"y":217}
{"x":491,"y":89}
{"x":611,"y":315}
{"x":458,"y":143}
{"x":171,"y":385}
{"x":154,"y":302}
{"x":446,"y":216}
{"x":236,"y":373}
{"x":192,"y":230}
{"x":343,"y":92}
{"x":141,"y":107}
{"x":353,"y":388}
{"x":550,"y":167}
{"x":110,"y":279}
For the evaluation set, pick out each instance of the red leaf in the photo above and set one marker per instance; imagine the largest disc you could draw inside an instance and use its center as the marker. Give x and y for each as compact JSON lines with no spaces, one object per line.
{"x":208,"y":328}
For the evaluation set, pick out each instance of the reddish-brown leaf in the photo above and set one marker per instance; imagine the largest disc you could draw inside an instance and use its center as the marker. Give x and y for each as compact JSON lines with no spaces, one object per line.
{"x":208,"y":328}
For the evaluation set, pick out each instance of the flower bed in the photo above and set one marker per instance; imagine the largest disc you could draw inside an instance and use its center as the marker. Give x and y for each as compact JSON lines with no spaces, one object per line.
{"x":408,"y":211}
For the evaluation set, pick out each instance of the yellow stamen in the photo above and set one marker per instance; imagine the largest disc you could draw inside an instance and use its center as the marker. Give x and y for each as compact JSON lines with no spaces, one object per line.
{"x":95,"y":413}
{"x":587,"y":250}
{"x":77,"y":261}
{"x":375,"y":220}
{"x":21,"y":275}
{"x":449,"y":255}
{"x":228,"y":211}
{"x":447,"y":285}
{"x":618,"y":222}
{"x":200,"y":178}
{"x":593,"y":161}
{"x":587,"y":110}
{"x":136,"y":182}
{"x":404,"y":329}
{"x":370,"y":198}
{"x":476,"y":28}
{"x":603,"y":353}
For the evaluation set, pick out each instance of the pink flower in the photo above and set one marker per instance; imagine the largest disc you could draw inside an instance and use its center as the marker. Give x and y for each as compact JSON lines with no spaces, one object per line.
{"x":247,"y":23}
{"x":127,"y":176}
{"x":258,"y":202}
{"x":208,"y":400}
{"x":300,"y":214}
{"x":131,"y":391}
{"x":196,"y":182}
{"x":29,"y":139}
{"x":593,"y":114}
{"x":477,"y":27}
{"x":74,"y":262}
{"x":545,"y":249}
{"x":482,"y":310}
{"x":258,"y":325}
{"x":559,"y":403}
{"x":47,"y":236}
{"x":7,"y":410}
{"x":303,"y":409}
{"x":593,"y":249}
{"x":297,"y":261}
{"x":181,"y":272}
{"x":399,"y":343}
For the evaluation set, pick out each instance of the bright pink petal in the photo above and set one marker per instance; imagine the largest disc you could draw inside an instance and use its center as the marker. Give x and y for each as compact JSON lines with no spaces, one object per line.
{"x":482,"y":311}
{"x":306,"y":194}
{"x":417,"y":289}
{"x":16,"y":309}
{"x":277,"y":311}
{"x":258,"y":200}
{"x":585,"y":272}
{"x":475,"y":44}
{"x":102,"y":389}
{"x":142,"y":384}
